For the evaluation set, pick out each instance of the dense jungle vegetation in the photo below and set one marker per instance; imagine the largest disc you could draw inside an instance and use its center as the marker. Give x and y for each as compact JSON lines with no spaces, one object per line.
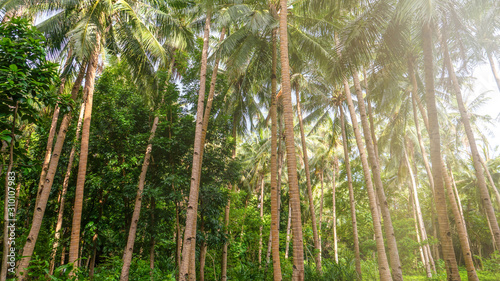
{"x":250,"y":140}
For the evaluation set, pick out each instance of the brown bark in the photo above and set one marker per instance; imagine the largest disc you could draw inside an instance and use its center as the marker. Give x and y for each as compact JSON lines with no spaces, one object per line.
{"x":383,"y":264}
{"x":189,"y":242}
{"x":274,"y":237}
{"x":347,"y":165}
{"x":395,"y":262}
{"x":129,"y":249}
{"x":460,"y":225}
{"x":65,"y":189}
{"x":82,"y":165}
{"x":298,"y":250}
{"x":44,"y":191}
{"x":317,"y":248}
{"x":476,"y":157}
{"x":435,"y":153}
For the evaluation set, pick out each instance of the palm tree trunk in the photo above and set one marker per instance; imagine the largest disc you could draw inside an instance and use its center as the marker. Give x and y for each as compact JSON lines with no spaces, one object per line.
{"x":224,"y":249}
{"x":82,"y":165}
{"x":53,"y":127}
{"x":94,"y":255}
{"x":476,"y":158}
{"x":178,"y":240}
{"x":395,"y":262}
{"x":309,"y":188}
{"x":274,"y":166}
{"x":492,"y":237}
{"x":460,"y":225}
{"x":321,"y":210}
{"x":435,"y":153}
{"x":423,"y":253}
{"x":65,"y":189}
{"x":298,"y":250}
{"x":370,"y":114}
{"x":203,"y":254}
{"x":44,"y":191}
{"x":383,"y":264}
{"x":493,"y":186}
{"x":9,"y":189}
{"x":494,"y":69}
{"x":419,"y":220}
{"x":191,"y":213}
{"x":334,"y":216}
{"x":261,"y":218}
{"x":129,"y":249}
{"x":347,"y":165}
{"x":457,"y":197}
{"x":414,"y":92}
{"x":288,"y":225}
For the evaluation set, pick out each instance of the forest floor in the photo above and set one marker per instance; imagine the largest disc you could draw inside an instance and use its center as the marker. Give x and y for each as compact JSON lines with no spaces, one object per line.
{"x":482,"y":274}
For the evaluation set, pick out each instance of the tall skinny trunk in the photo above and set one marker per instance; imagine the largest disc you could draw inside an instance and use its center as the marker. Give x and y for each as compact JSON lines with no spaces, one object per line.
{"x":435,"y":153}
{"x":490,"y":179}
{"x":476,"y":157}
{"x":53,"y":126}
{"x":178,"y":240}
{"x":383,"y":264}
{"x":414,"y":92}
{"x":274,"y":237}
{"x":44,"y":191}
{"x":354,"y":221}
{"x":9,"y":189}
{"x":423,"y":253}
{"x":82,"y":165}
{"x":418,"y":214}
{"x":494,"y":69}
{"x":203,"y":255}
{"x":460,"y":225}
{"x":261,"y":198}
{"x":298,"y":248}
{"x":192,"y":210}
{"x":129,"y":249}
{"x":334,"y":216}
{"x":288,"y":226}
{"x":309,"y":188}
{"x":65,"y":189}
{"x":321,"y":210}
{"x":224,"y":249}
{"x":395,"y":262}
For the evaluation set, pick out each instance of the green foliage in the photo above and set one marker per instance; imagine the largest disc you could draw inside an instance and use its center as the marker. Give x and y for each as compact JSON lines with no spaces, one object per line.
{"x":26,"y":76}
{"x":342,"y":271}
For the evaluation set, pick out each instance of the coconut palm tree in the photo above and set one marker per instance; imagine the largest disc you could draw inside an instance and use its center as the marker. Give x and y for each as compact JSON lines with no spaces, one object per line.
{"x":298,"y":251}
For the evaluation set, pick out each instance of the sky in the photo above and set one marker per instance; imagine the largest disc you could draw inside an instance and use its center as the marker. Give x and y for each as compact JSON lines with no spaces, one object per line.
{"x":485,"y":81}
